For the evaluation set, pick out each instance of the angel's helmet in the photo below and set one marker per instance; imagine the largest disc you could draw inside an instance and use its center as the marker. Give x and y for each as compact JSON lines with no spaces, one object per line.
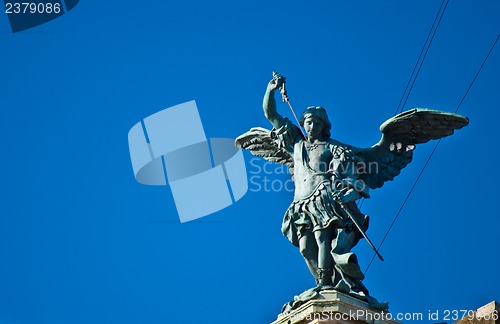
{"x":318,"y":112}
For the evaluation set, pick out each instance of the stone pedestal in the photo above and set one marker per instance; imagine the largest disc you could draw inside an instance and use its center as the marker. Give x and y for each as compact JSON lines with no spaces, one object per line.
{"x":334,"y":307}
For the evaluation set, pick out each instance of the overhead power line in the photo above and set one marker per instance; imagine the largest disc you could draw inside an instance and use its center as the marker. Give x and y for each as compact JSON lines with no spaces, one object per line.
{"x":421,"y":57}
{"x":477,"y":73}
{"x":418,"y":64}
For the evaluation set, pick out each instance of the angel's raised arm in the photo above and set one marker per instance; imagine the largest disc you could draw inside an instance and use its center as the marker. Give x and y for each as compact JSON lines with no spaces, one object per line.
{"x":269,"y":103}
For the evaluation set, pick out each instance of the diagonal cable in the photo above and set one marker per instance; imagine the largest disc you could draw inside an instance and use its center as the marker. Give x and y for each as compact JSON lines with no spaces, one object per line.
{"x":418,"y":64}
{"x":420,"y":60}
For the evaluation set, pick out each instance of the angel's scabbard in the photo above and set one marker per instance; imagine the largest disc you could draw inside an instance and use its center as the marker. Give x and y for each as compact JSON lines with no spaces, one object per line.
{"x":348,"y":213}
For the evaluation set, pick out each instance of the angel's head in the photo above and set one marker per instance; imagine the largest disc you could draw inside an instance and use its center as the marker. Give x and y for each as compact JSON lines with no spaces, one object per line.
{"x":313,"y":117}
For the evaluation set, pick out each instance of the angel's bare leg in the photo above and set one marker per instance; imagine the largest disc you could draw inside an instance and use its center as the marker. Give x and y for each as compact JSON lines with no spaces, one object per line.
{"x":309,"y":250}
{"x":325,"y":260}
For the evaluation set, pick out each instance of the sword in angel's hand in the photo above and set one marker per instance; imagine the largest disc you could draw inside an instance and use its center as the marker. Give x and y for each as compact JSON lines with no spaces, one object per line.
{"x":284,"y":96}
{"x":279,"y":79}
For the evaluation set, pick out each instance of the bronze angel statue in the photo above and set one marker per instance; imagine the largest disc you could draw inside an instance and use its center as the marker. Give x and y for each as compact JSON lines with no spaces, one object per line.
{"x":323,"y":220}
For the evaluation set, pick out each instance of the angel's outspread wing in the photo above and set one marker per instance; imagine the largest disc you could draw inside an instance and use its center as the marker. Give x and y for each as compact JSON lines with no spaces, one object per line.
{"x":386,"y":159}
{"x":259,"y":142}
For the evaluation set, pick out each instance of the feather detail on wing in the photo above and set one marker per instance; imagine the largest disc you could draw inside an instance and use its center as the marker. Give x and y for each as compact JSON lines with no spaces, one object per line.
{"x":259,"y":142}
{"x":385,"y":160}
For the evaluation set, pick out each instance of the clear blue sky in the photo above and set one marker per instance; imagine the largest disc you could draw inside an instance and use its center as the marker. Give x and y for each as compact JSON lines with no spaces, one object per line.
{"x":82,"y":242}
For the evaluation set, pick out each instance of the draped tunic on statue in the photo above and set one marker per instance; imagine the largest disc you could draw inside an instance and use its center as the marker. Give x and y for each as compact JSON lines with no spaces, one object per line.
{"x":320,"y":178}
